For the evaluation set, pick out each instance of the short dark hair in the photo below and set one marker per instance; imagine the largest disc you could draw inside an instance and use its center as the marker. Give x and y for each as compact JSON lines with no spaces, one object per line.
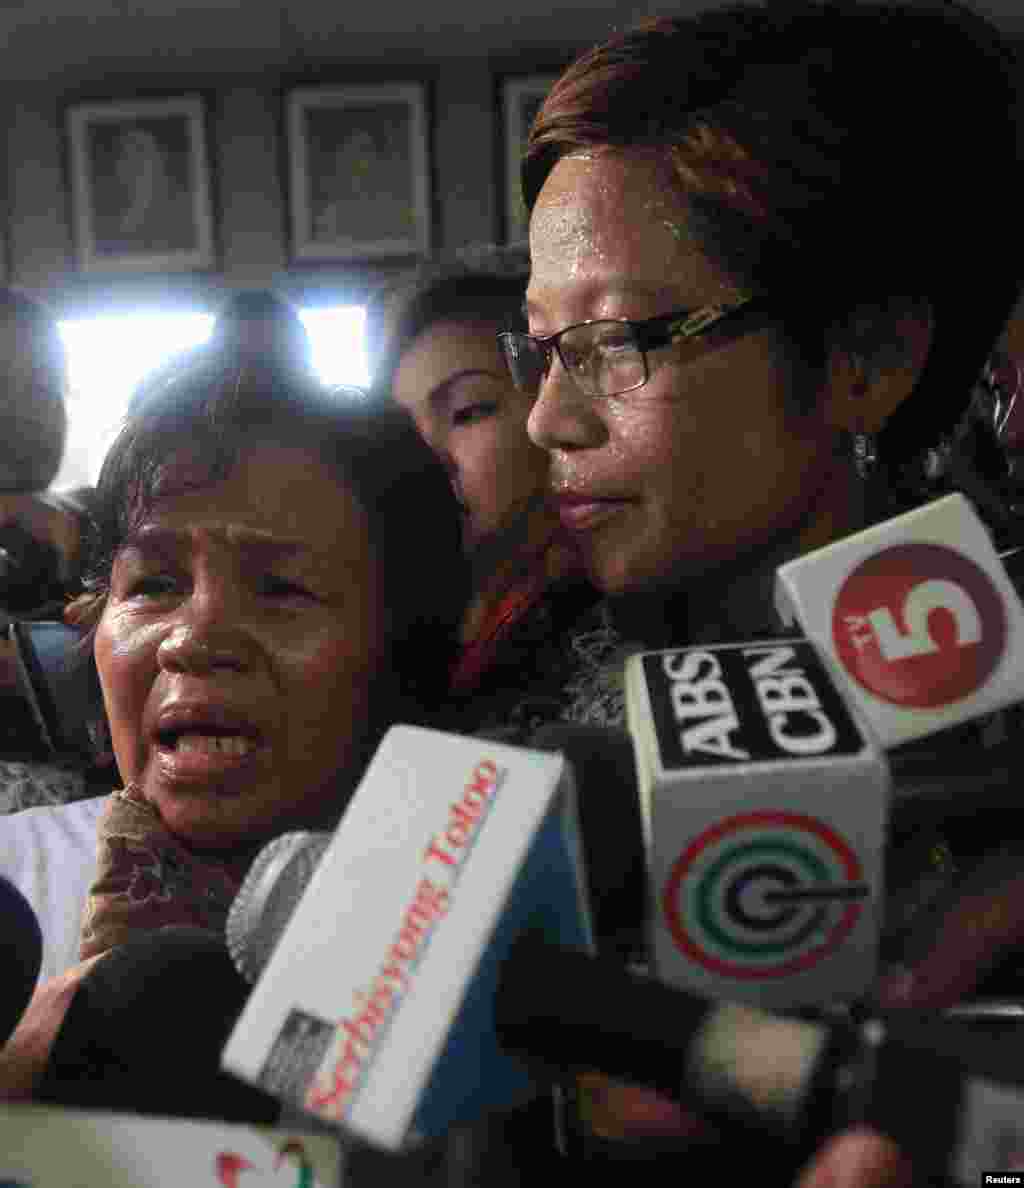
{"x":216,"y":406}
{"x":291,"y":347}
{"x":256,"y":303}
{"x":33,"y":423}
{"x":441,"y":292}
{"x":263,"y":305}
{"x":836,"y":155}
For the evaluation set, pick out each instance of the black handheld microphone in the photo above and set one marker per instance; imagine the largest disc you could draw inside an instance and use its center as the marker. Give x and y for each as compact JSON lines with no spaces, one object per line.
{"x":21,"y":956}
{"x":128,"y":1043}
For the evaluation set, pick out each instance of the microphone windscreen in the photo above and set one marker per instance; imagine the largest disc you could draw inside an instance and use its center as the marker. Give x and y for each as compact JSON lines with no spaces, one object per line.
{"x":21,"y":956}
{"x":267,"y":899}
{"x":145,"y":1030}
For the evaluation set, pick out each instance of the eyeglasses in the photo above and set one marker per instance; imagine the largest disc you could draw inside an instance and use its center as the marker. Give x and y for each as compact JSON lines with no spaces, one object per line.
{"x":607,"y":357}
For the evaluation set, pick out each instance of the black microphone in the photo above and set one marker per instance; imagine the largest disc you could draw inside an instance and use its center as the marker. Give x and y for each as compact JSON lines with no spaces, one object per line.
{"x":21,"y":956}
{"x":145,"y":1029}
{"x":952,"y":1099}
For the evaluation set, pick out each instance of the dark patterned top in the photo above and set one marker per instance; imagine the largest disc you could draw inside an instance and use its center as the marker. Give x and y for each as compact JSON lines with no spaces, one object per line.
{"x":26,"y":785}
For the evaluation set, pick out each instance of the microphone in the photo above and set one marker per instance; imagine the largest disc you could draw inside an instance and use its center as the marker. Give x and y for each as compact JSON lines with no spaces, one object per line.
{"x":944,"y":1093}
{"x":21,"y":956}
{"x":789,"y":1080}
{"x":375,"y":1010}
{"x":951,"y":1099}
{"x":764,"y":802}
{"x":126,"y":1045}
{"x":916,"y":617}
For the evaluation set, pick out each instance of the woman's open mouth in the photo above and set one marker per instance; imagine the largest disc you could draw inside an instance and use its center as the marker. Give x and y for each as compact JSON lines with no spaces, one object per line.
{"x":199,"y":753}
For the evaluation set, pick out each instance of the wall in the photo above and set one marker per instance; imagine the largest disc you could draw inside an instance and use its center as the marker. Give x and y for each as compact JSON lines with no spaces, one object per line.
{"x":246,"y":144}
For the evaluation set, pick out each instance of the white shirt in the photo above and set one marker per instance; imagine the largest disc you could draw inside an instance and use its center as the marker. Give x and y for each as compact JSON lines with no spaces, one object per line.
{"x":49,"y":854}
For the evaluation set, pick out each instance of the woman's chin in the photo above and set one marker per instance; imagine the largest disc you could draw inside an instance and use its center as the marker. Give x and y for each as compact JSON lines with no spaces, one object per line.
{"x":616,"y":573}
{"x":210,"y":818}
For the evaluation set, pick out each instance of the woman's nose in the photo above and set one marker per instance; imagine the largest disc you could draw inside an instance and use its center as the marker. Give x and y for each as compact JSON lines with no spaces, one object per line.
{"x":562,"y":417}
{"x":191,"y":650}
{"x":209,"y":630}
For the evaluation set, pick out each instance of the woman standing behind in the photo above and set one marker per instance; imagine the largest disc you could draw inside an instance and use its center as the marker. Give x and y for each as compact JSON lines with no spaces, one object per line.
{"x":435,"y":337}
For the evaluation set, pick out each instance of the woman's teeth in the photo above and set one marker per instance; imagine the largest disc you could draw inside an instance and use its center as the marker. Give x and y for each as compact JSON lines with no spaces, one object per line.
{"x":233,"y":744}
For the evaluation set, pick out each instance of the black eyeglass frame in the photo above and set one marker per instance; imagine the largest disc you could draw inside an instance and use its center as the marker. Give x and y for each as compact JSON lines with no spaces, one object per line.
{"x":650,"y":334}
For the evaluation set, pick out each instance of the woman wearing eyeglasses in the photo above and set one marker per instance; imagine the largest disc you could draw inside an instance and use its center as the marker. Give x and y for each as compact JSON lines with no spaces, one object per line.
{"x":766,"y":273}
{"x":748,"y":226}
{"x":765,"y":278}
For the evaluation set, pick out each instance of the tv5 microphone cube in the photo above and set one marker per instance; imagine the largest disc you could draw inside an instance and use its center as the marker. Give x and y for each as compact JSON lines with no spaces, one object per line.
{"x":764,"y":802}
{"x":917,"y":618}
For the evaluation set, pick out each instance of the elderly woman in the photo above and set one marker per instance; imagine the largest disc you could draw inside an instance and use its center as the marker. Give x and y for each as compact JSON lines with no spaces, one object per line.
{"x":764,"y":280}
{"x":278,"y":578}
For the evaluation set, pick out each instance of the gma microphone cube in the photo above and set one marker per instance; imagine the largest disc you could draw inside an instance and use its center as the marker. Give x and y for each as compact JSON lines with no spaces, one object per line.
{"x":375,"y":1011}
{"x":917,"y":618}
{"x":764,"y":802}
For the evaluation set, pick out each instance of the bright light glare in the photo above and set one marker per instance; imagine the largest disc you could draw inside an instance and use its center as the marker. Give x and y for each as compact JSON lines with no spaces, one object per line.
{"x":108,"y":356}
{"x":338,"y":335}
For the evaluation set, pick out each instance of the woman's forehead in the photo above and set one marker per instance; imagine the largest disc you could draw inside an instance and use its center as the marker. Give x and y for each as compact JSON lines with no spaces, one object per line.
{"x":612,"y":224}
{"x":270,"y":494}
{"x":589,"y":195}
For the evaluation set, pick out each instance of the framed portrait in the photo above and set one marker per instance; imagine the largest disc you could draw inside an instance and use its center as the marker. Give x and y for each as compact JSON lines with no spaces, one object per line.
{"x":359,"y":172}
{"x":140,"y":180}
{"x":521,"y":98}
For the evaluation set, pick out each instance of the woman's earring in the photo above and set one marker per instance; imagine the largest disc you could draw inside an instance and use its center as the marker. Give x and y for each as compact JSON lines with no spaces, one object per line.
{"x":865,"y":455}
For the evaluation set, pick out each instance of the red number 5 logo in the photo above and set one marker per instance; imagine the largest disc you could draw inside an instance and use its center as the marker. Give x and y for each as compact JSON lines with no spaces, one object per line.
{"x":919,"y":625}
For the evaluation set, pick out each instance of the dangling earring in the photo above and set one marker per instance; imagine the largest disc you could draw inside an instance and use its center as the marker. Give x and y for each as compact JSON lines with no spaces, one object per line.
{"x":865,"y":455}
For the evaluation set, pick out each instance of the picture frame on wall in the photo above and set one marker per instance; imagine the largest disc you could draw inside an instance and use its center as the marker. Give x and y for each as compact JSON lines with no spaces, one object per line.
{"x":141,"y":189}
{"x":359,"y":172}
{"x":521,"y":99}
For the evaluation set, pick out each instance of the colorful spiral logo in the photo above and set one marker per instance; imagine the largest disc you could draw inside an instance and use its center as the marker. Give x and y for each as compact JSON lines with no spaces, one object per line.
{"x":764,"y":895}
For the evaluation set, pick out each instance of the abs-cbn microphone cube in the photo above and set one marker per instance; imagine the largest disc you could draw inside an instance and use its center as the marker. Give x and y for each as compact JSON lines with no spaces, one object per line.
{"x":917,"y":617}
{"x":375,"y":1011}
{"x":764,"y":801}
